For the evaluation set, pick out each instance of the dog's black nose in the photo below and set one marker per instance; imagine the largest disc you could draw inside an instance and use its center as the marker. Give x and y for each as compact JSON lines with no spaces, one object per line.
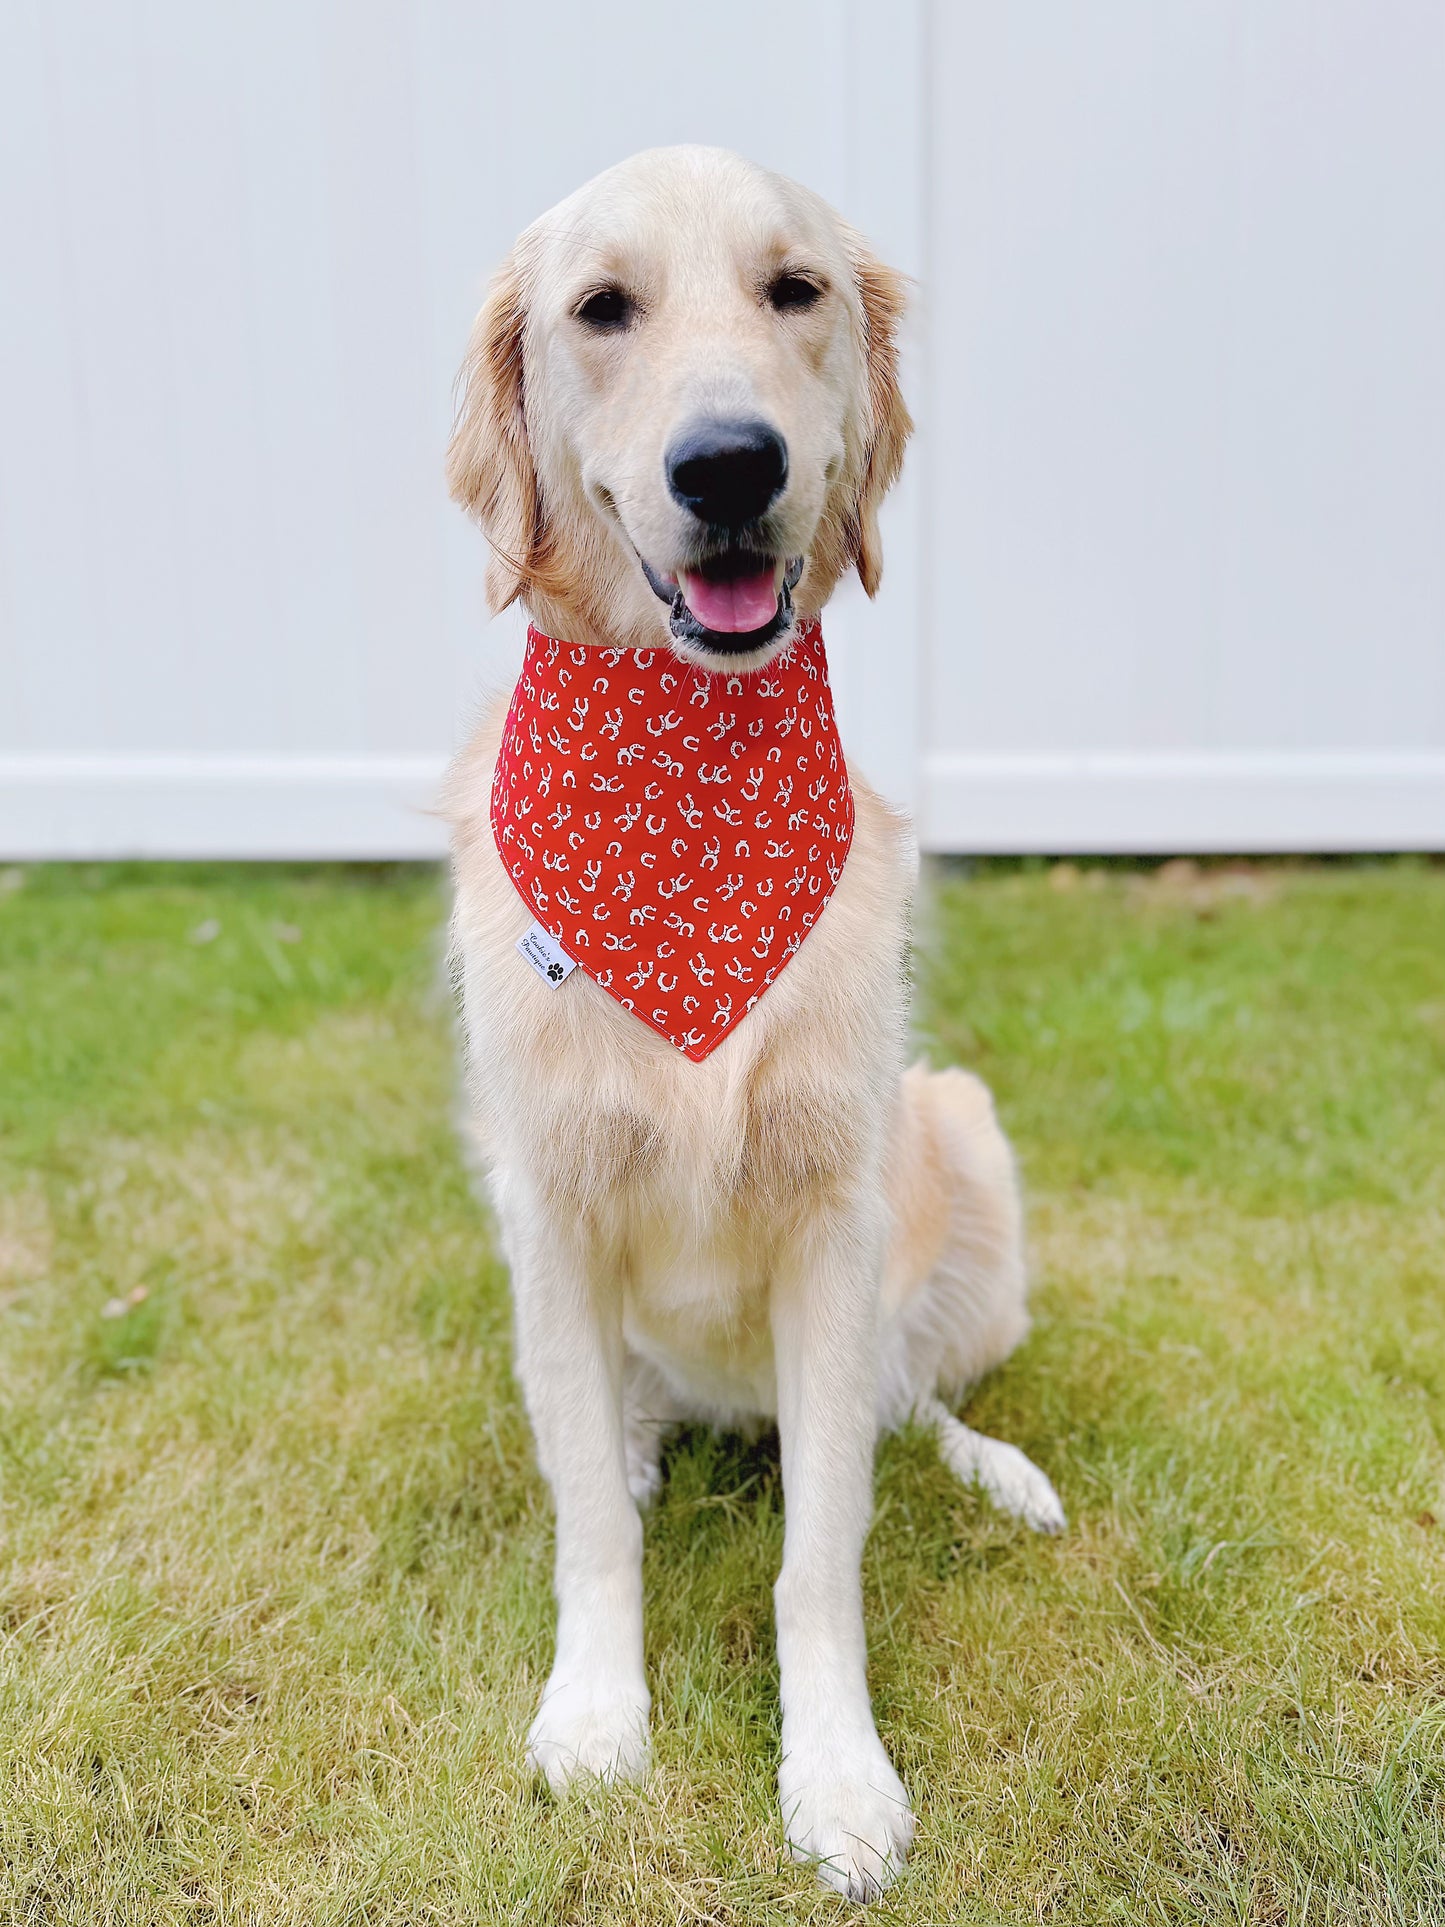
{"x":727,"y":472}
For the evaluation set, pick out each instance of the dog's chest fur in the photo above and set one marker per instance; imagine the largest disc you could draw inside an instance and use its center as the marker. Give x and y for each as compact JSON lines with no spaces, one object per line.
{"x":686,"y":1183}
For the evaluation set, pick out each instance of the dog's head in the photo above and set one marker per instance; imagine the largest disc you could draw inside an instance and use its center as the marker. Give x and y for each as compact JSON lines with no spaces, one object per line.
{"x":680,"y":409}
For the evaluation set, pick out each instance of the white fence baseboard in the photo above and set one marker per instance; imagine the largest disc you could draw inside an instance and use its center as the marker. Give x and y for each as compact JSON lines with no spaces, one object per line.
{"x":1186,"y":801}
{"x":221,"y":806}
{"x":382,"y":807}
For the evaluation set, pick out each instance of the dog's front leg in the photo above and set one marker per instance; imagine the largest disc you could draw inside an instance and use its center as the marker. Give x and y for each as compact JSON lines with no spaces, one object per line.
{"x":843,"y":1805}
{"x":593,"y":1715}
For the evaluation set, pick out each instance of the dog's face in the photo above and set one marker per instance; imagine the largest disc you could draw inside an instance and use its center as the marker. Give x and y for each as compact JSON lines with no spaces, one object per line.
{"x":681,"y":406}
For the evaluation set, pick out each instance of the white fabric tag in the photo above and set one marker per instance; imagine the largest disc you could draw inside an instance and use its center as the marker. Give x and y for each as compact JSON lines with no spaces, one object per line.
{"x":546,"y":956}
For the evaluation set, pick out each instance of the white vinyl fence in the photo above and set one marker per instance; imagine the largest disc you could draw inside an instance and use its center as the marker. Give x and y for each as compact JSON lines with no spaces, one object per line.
{"x":1168,"y":567}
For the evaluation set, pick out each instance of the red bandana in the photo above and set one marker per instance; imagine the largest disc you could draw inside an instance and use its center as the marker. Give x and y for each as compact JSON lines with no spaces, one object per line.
{"x":676,"y":830}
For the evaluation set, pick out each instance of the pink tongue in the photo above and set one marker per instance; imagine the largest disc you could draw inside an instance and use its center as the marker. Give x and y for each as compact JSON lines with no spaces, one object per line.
{"x":732,"y":608}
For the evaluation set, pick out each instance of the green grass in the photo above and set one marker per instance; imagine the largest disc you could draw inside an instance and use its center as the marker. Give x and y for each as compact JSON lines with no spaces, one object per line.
{"x":274,"y":1554}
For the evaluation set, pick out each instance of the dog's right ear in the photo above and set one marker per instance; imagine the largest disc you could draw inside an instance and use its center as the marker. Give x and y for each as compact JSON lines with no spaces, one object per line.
{"x":489,"y":462}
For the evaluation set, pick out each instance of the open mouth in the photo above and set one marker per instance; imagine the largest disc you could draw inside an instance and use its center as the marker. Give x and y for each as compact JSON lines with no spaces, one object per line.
{"x":732,"y":603}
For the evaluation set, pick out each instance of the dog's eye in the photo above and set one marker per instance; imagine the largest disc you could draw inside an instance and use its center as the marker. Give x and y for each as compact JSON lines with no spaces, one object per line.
{"x":793,"y":291}
{"x":607,"y":308}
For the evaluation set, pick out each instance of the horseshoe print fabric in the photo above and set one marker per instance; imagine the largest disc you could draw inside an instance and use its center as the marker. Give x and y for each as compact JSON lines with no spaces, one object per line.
{"x":677,"y":831}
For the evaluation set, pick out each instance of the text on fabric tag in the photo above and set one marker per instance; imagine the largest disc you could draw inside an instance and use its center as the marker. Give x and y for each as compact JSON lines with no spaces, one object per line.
{"x":546,"y":955}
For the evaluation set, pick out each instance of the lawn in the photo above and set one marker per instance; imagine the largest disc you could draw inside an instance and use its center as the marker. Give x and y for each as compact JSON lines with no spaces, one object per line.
{"x":274,"y":1553}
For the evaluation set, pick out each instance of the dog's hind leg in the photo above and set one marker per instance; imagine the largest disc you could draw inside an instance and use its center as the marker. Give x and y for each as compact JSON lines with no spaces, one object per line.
{"x":649,"y":1413}
{"x":957,"y":1284}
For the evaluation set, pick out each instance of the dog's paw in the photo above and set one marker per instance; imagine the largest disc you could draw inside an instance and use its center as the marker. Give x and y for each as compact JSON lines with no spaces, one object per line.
{"x":1016,"y":1486}
{"x":854,"y":1825}
{"x":583,"y":1732}
{"x":644,"y":1478}
{"x":642,"y":1439}
{"x":1001,"y":1472}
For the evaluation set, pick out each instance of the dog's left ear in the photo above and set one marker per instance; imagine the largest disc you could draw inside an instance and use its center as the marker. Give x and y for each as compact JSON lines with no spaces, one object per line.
{"x":883,"y":296}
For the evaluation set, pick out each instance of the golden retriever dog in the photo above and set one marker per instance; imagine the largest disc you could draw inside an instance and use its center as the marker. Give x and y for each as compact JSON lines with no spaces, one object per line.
{"x":794,"y":1229}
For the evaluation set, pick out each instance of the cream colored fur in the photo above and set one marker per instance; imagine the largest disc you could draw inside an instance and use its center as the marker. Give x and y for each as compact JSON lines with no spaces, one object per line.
{"x":791,"y":1229}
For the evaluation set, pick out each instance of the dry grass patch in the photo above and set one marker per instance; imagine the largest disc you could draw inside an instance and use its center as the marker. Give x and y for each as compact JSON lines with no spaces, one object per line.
{"x":274,"y":1555}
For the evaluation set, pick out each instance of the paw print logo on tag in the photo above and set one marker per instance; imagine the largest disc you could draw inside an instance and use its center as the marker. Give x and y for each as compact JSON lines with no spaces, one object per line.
{"x":546,"y":956}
